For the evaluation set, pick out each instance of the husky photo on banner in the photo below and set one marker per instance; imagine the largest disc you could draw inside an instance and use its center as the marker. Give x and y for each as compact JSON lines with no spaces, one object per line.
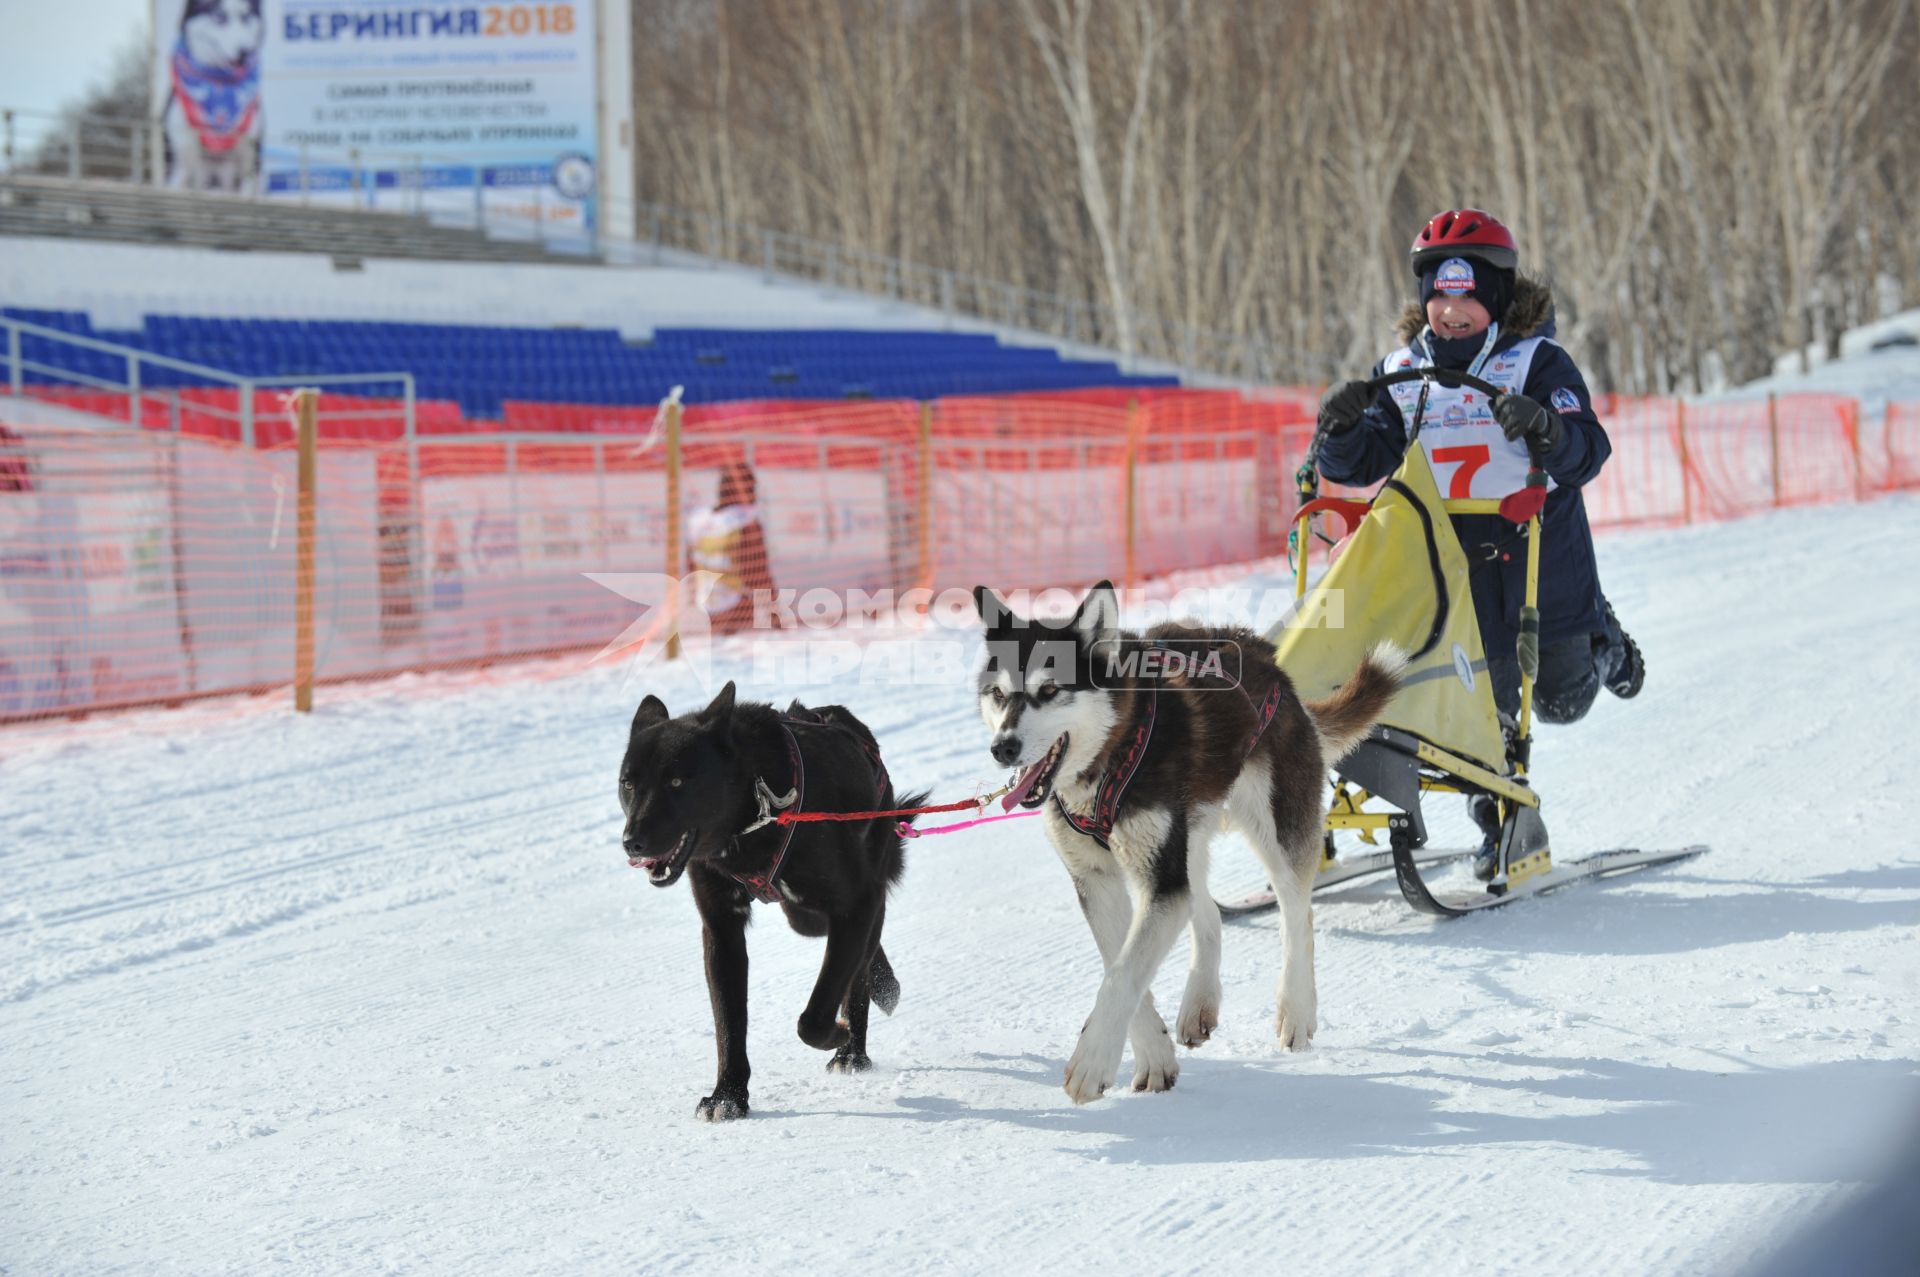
{"x":207,"y":92}
{"x":443,"y":107}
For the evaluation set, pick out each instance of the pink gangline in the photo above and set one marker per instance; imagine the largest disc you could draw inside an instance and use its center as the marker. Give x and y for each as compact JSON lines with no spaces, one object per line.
{"x":908,"y":831}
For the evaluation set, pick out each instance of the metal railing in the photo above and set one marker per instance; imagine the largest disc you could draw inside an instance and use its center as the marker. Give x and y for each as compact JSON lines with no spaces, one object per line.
{"x":26,"y":375}
{"x":104,"y":148}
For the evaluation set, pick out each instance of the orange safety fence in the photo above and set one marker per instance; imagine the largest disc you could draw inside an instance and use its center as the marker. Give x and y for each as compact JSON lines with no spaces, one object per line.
{"x":156,"y":565}
{"x":1896,"y":459}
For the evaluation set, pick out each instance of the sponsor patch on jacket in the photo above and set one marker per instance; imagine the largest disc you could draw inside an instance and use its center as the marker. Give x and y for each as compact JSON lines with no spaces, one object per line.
{"x":1455,"y":277}
{"x":1455,"y":416}
{"x":1564,"y":400}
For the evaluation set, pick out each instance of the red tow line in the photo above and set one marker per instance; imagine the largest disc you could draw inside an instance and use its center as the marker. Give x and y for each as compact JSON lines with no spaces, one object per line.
{"x":906,"y":830}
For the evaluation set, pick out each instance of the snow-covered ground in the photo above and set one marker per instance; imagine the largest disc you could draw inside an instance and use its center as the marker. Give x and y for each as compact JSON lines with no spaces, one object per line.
{"x":375,"y":990}
{"x":1874,"y":377}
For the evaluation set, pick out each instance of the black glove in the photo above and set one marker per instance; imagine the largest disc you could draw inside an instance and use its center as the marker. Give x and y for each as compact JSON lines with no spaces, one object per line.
{"x":1523,"y":420}
{"x":1341,"y":407}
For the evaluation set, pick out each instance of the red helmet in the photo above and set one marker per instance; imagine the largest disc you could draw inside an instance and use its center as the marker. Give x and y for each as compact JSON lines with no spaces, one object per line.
{"x":1464,"y":232}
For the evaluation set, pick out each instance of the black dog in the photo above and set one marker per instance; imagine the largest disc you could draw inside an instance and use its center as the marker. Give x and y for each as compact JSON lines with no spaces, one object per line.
{"x":701,"y":792}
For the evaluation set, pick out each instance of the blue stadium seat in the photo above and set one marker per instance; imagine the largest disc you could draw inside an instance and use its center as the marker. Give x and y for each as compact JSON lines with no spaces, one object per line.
{"x":479,"y":365}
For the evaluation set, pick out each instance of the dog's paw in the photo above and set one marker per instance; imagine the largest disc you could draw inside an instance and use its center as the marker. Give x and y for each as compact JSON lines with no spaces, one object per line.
{"x":824,"y":1034}
{"x":1296,"y":1027}
{"x":1154,"y":1077}
{"x":1089,"y":1076}
{"x":1155,"y":1063}
{"x":1197,"y":1022}
{"x":722,"y":1108}
{"x":845,"y":1063}
{"x":1156,"y":1072}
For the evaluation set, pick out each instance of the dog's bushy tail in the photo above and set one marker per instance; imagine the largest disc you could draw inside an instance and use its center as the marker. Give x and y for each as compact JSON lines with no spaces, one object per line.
{"x":917,"y":799}
{"x":889,"y":843}
{"x":1343,"y":718}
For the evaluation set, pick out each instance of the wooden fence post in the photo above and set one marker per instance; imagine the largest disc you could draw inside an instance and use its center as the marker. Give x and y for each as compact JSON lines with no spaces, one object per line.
{"x":1773,"y":442}
{"x":1892,"y":481}
{"x":306,"y":404}
{"x":923,"y":569}
{"x":1686,"y":466}
{"x":1853,"y":434}
{"x":675,"y":566}
{"x":1133,"y":491}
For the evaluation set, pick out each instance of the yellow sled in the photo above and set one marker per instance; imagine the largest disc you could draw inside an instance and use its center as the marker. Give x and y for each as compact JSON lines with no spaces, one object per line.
{"x":1403,"y":576}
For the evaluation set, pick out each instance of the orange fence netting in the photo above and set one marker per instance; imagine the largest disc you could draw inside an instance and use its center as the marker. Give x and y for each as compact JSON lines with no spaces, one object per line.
{"x":158,"y":564}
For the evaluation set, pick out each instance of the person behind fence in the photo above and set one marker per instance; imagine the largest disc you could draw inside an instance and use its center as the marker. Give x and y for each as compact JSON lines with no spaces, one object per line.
{"x":730,"y":541}
{"x":1476,"y":313}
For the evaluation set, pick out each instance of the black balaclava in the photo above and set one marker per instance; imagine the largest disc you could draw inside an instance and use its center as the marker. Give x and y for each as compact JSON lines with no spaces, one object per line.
{"x":1471,"y":276}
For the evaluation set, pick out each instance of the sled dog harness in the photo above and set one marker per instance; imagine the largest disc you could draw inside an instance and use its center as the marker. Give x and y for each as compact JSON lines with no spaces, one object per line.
{"x":762,"y":884}
{"x":220,"y":103}
{"x":784,"y":809}
{"x":1097,"y":824}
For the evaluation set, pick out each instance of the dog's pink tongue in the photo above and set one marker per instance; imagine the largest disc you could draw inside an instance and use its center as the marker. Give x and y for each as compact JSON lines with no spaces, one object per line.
{"x":1024,"y":785}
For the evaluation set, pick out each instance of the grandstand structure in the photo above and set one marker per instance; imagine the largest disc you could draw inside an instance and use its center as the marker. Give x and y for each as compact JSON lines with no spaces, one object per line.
{"x":481,"y":367}
{"x":490,"y":328}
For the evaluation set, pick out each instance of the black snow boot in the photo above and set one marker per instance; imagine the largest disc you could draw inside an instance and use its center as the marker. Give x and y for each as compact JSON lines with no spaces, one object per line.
{"x":1631,"y":669}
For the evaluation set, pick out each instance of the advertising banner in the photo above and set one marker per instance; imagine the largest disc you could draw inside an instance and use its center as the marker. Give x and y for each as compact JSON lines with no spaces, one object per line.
{"x":415,"y":105}
{"x":506,"y":556}
{"x":87,"y":592}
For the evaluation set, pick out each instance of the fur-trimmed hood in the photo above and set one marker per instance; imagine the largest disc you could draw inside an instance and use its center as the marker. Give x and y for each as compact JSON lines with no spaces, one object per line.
{"x":1531,"y":311}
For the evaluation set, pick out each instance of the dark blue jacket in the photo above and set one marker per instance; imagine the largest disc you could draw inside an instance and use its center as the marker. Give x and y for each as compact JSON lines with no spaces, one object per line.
{"x":1570,"y":598}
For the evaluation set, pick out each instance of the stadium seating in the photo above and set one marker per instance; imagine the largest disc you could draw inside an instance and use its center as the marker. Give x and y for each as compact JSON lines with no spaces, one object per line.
{"x":479,"y":367}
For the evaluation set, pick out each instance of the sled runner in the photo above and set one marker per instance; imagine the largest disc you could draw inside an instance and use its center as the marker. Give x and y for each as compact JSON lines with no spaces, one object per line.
{"x":1404,"y":576}
{"x":1335,"y":871}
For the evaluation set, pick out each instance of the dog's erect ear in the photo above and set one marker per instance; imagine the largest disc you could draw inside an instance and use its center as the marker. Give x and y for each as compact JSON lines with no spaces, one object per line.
{"x":1099,"y":614}
{"x":992,"y":608}
{"x":652,"y":710}
{"x":720,"y":712}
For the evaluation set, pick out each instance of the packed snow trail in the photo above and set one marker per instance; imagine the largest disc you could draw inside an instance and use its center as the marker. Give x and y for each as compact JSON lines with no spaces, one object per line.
{"x":374,"y":988}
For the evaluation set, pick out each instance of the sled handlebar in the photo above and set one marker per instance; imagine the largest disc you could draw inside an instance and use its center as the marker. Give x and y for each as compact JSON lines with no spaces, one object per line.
{"x":1448,"y":377}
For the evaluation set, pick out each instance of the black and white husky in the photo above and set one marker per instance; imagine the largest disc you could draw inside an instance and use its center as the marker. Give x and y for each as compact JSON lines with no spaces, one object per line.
{"x":1140,"y":746}
{"x":211,"y":117}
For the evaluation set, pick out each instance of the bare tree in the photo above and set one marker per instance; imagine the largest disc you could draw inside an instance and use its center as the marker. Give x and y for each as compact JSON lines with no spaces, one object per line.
{"x":1062,"y":35}
{"x":1234,"y":182}
{"x":107,"y":121}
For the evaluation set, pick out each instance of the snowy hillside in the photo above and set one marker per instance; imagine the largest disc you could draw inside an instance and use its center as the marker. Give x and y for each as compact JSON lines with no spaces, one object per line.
{"x":376,"y":990}
{"x":1873,"y":376}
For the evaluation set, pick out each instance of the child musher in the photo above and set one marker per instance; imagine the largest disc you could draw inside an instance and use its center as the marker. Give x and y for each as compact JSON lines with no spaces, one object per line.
{"x":1477,"y":314}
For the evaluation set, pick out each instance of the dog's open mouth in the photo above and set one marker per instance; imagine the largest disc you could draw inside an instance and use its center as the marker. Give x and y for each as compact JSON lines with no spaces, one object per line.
{"x":664,"y":871}
{"x":1036,"y":782}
